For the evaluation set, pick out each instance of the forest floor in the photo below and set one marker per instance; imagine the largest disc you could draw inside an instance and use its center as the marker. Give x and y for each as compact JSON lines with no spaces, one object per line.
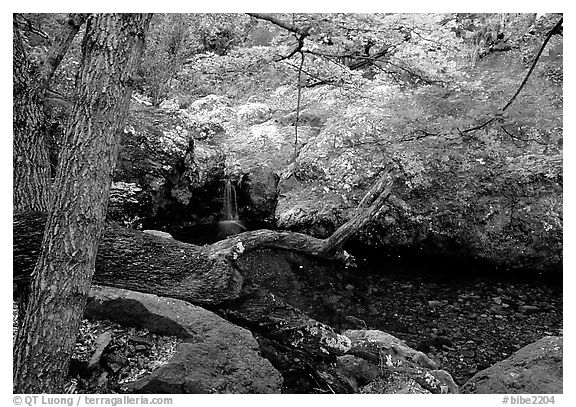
{"x":131,"y":354}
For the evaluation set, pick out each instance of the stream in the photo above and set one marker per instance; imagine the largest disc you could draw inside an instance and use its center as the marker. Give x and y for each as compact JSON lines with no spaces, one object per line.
{"x":466,"y":316}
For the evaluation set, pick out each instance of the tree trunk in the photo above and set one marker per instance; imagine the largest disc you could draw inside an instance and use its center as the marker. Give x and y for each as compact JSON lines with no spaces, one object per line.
{"x":202,"y":275}
{"x":60,"y":46}
{"x":208,"y":275}
{"x":62,"y":276}
{"x":31,"y":166}
{"x":31,"y":162}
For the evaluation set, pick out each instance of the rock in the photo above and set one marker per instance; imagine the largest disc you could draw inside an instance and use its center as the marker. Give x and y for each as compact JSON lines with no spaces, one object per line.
{"x":159,"y":233}
{"x":254,"y":113}
{"x":422,"y":359}
{"x":297,"y":207}
{"x":129,"y":308}
{"x":209,"y":104}
{"x":394,"y":384}
{"x":115,"y":361}
{"x":165,"y":172}
{"x":124,"y":201}
{"x":312,"y":117}
{"x":441,"y":206}
{"x":203,"y":164}
{"x":357,"y":371}
{"x":203,"y":368}
{"x":153,"y":142}
{"x":170,"y":104}
{"x":267,"y":144}
{"x":218,"y":357}
{"x":100,"y":345}
{"x":435,"y":303}
{"x":448,"y":383}
{"x":534,"y":369}
{"x":528,"y":309}
{"x":141,"y":340}
{"x":382,"y":342}
{"x":257,"y":194}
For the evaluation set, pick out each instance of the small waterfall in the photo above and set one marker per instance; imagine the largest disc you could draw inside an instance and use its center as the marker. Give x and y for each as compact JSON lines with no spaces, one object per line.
{"x":230,"y":225}
{"x":230,"y":204}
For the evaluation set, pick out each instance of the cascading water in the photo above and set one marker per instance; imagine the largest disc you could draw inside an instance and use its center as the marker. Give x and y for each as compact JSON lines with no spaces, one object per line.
{"x":230,"y":203}
{"x":231,"y":224}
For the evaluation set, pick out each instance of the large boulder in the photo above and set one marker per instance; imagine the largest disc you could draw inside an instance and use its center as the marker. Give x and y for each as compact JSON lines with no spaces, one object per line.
{"x":505,"y":210}
{"x":378,"y":362}
{"x":203,"y":165}
{"x":463,"y":187}
{"x":216,"y":356}
{"x":153,"y":143}
{"x":257,"y":193}
{"x":378,"y":342}
{"x":254,"y":113}
{"x":534,"y":369}
{"x":209,"y":116}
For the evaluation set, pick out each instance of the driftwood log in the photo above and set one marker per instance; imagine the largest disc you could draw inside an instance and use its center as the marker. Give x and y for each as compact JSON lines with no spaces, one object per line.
{"x":208,"y":275}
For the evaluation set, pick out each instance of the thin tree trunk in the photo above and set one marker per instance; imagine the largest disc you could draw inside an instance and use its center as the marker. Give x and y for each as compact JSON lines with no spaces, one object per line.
{"x":63,"y":273}
{"x":60,"y":46}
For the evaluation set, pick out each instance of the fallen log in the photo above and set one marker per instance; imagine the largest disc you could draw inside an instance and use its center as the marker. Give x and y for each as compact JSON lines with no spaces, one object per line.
{"x":208,"y":275}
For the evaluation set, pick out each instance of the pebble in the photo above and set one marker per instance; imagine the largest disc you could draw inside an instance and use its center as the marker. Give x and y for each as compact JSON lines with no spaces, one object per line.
{"x":140,"y":340}
{"x":528,"y":309}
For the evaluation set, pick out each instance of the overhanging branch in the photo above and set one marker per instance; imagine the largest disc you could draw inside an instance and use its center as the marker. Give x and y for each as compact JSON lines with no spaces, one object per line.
{"x":280,"y":23}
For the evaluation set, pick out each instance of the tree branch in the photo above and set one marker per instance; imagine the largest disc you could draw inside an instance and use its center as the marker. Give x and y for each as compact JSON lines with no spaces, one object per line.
{"x":280,"y":23}
{"x":60,"y":46}
{"x":298,"y":105}
{"x":555,"y":30}
{"x":22,"y":22}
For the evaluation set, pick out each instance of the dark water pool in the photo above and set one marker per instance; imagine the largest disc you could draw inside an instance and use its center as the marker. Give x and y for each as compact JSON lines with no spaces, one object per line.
{"x":465,"y":316}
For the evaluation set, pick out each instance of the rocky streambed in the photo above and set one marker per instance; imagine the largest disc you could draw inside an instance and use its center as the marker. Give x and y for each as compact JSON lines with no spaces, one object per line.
{"x":466,"y":317}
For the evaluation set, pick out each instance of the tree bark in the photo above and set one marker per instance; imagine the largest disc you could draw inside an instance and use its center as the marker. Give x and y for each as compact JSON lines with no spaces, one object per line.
{"x":31,"y":162}
{"x":202,"y":275}
{"x":31,"y":166}
{"x":60,"y":46}
{"x":62,"y":275}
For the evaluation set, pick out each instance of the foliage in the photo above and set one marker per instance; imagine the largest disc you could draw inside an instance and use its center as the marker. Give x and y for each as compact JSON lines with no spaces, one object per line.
{"x":176,"y":38}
